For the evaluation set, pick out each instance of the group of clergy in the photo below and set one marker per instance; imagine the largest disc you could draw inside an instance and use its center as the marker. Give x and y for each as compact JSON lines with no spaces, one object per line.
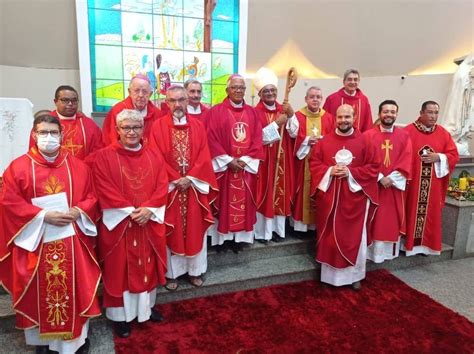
{"x":133,"y":203}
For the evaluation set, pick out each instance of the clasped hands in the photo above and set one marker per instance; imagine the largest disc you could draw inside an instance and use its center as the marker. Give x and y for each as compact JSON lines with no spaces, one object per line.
{"x":236,"y":165}
{"x":339,"y":171}
{"x":430,"y":157}
{"x":59,"y":218}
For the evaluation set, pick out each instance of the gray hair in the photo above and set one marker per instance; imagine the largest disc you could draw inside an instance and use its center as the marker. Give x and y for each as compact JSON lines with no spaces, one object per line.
{"x":174,"y":88}
{"x":130,"y":114}
{"x":350,"y":71}
{"x":190,"y":82}
{"x":312,"y":88}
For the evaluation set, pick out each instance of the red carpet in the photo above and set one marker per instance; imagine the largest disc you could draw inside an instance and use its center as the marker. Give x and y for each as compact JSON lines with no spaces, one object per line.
{"x":386,"y":316}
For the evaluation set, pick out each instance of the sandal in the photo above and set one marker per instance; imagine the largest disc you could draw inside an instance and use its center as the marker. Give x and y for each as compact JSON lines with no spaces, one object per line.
{"x":171,"y":284}
{"x":196,"y":281}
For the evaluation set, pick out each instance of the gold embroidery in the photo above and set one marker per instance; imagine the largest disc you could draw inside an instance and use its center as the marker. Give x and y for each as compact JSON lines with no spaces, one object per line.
{"x":57,"y":298}
{"x":387,"y":146}
{"x":53,"y":185}
{"x":423,"y":197}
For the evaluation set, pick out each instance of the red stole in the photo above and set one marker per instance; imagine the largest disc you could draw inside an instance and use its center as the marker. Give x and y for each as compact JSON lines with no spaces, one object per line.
{"x":274,"y":193}
{"x":426,"y":193}
{"x":303,"y":210}
{"x":235,"y":132}
{"x":109,"y":132}
{"x":188,"y":214}
{"x":55,"y":286}
{"x":340,"y":212}
{"x":395,"y":151}
{"x":134,"y":256}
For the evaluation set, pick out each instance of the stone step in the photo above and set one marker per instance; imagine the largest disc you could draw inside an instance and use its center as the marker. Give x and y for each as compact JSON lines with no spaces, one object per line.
{"x":262,"y":272}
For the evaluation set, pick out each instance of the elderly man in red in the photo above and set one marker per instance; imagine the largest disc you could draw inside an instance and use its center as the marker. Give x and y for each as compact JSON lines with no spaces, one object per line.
{"x":132,"y":186}
{"x":139,"y":93}
{"x":47,"y":254}
{"x":182,"y":141}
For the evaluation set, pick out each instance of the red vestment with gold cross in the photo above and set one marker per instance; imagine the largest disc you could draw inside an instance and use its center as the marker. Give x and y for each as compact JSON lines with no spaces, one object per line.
{"x":55,"y":286}
{"x":186,"y":153}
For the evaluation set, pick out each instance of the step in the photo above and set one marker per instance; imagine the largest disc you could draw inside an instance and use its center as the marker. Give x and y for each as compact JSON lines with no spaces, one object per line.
{"x":261,"y":272}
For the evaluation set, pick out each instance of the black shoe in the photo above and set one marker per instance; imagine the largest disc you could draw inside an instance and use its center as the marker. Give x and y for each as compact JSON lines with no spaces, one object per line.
{"x":42,"y":349}
{"x":221,"y":248}
{"x":262,"y":241}
{"x":122,"y":329}
{"x":156,"y":316}
{"x":84,"y":349}
{"x":276,"y":238}
{"x":356,"y":286}
{"x":236,"y":247}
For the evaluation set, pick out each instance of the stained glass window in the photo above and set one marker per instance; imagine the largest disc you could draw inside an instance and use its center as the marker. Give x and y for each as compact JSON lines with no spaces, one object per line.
{"x":167,"y":40}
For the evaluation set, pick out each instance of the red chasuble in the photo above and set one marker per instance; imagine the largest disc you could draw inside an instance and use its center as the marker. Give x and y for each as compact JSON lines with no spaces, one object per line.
{"x":81,"y":136}
{"x":394,"y":151}
{"x":426,"y":193}
{"x":109,"y":133}
{"x":235,"y":132}
{"x":340,"y":212}
{"x":188,"y":214}
{"x":324,"y":123}
{"x":360,"y":103}
{"x":133,"y":256}
{"x":55,"y":286}
{"x":274,"y":194}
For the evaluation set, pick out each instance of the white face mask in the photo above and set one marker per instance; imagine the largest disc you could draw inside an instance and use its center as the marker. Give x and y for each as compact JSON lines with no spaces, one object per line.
{"x":48,"y":143}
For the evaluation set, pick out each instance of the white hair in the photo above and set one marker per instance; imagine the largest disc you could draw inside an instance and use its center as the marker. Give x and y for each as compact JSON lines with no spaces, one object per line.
{"x":130,"y":114}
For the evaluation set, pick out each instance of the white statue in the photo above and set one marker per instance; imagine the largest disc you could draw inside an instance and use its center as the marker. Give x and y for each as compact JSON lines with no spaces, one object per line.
{"x":458,"y":115}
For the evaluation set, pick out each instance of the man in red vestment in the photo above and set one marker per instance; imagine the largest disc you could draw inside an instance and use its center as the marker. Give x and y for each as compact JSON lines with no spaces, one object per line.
{"x":311,"y":123}
{"x":394,"y":148}
{"x":434,"y":157}
{"x":47,"y":255}
{"x":139,"y":93}
{"x":235,"y":142}
{"x":80,"y":134}
{"x":344,"y":169}
{"x":275,"y":174}
{"x":351,"y":94}
{"x":195,"y":107}
{"x":131,"y":185}
{"x":182,"y":141}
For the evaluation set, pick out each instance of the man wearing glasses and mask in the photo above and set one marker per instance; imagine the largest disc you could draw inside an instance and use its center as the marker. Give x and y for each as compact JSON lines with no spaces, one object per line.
{"x":139,"y":93}
{"x":80,"y":134}
{"x":47,"y":255}
{"x":132,"y":187}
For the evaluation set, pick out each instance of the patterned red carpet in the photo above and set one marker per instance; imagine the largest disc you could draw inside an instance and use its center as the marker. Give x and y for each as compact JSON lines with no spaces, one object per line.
{"x":386,"y":316}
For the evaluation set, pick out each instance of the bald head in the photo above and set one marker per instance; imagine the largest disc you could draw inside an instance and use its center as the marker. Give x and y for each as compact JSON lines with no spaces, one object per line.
{"x":344,"y":118}
{"x":140,"y":91}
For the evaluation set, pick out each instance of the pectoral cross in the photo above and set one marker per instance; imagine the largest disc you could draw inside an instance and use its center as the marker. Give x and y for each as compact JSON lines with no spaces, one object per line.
{"x":183,"y":164}
{"x":387,"y":146}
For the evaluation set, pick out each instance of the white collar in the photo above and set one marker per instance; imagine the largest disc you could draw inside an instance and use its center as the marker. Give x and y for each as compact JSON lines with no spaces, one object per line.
{"x":66,"y":118}
{"x":350,"y":132}
{"x":138,"y":148}
{"x":386,"y":130}
{"x":270,"y":108}
{"x":350,"y":94}
{"x":236,"y":105}
{"x":192,"y":110}
{"x":182,"y":121}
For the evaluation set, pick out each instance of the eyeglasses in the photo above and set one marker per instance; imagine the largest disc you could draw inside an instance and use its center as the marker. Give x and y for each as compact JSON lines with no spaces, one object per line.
{"x":237,"y":88}
{"x":143,"y":92}
{"x":45,"y":133}
{"x":173,"y":100}
{"x":69,"y":100}
{"x":135,"y":129}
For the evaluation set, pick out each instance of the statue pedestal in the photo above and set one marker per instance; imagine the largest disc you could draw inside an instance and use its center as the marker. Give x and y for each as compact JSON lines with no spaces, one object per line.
{"x":458,"y":227}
